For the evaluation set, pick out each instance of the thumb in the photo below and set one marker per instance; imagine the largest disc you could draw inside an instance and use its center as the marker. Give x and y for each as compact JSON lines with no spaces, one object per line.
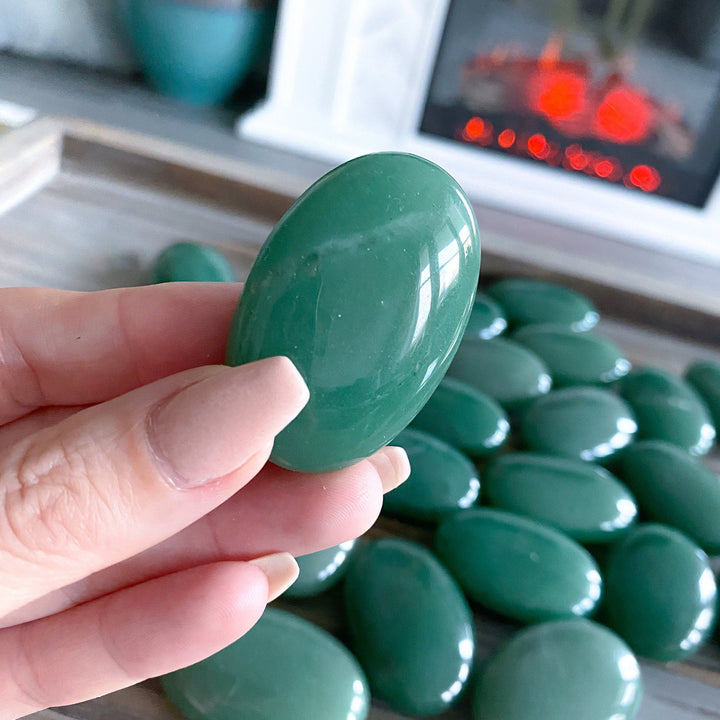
{"x":117,"y":478}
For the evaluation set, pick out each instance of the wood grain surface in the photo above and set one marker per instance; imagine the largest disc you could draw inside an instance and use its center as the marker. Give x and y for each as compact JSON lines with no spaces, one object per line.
{"x":84,"y":208}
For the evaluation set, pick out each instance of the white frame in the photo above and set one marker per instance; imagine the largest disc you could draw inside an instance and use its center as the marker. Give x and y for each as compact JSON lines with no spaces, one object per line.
{"x":340,"y":87}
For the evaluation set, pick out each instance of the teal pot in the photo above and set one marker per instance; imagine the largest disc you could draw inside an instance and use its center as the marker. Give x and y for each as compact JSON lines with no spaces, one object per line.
{"x":200,"y":51}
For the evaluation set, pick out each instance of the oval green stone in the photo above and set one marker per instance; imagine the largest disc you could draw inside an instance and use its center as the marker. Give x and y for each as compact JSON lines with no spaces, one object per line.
{"x":487,"y":319}
{"x":366,"y":284}
{"x":410,"y":625}
{"x":465,"y":418}
{"x":527,"y":301}
{"x":660,"y":593}
{"x":518,"y":567}
{"x":319,"y":571}
{"x":579,"y":422}
{"x":705,"y":378}
{"x":284,"y":668}
{"x":583,"y":500}
{"x":574,"y":358}
{"x":667,"y":408}
{"x":563,"y":670}
{"x":189,"y":261}
{"x":502,"y":369}
{"x":673,"y":488}
{"x":441,"y":479}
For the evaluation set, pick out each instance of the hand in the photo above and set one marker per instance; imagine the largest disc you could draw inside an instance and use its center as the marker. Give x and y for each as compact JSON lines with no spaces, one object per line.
{"x":132,"y":541}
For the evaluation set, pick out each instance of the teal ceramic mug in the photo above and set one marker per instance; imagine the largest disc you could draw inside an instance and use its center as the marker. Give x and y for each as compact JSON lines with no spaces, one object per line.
{"x":198,"y":51}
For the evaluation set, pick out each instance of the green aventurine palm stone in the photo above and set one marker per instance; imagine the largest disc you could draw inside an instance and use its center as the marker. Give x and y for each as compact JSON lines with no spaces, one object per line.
{"x":502,"y":369}
{"x":668,"y":408}
{"x":319,"y":571}
{"x":284,"y":668}
{"x":487,"y":319}
{"x":660,"y":593}
{"x":673,"y":488}
{"x":441,"y":480}
{"x":563,"y":670}
{"x":189,"y":261}
{"x":574,"y":358}
{"x":410,"y":627}
{"x":583,"y":500}
{"x":579,"y":422}
{"x":517,"y":566}
{"x":465,"y":418}
{"x":705,"y":378}
{"x":366,"y":284}
{"x":527,"y":301}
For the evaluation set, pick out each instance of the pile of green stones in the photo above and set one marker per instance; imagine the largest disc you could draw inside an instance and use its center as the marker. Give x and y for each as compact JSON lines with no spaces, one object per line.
{"x":564,"y":491}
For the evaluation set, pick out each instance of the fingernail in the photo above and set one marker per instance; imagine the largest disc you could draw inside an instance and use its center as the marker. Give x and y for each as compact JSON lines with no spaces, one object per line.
{"x":392,"y":466}
{"x":282,"y":571}
{"x":213,"y":427}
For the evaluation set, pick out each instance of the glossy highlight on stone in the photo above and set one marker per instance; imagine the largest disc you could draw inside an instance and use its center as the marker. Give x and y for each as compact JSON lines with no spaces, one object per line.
{"x":442,"y":480}
{"x":579,"y":422}
{"x":660,"y":593}
{"x":502,"y":369}
{"x":284,"y":668}
{"x":487,"y":319}
{"x":465,"y":418}
{"x":189,"y":261}
{"x":667,"y":408}
{"x":410,"y":627}
{"x":517,"y":566}
{"x":563,"y":670}
{"x":583,"y":500}
{"x":705,"y":378}
{"x":527,"y":301}
{"x":319,"y":571}
{"x":674,"y":488}
{"x":366,"y":284}
{"x":574,"y":358}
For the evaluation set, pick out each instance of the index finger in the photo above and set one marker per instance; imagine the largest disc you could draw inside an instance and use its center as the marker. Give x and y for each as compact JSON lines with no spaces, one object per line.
{"x":72,"y":348}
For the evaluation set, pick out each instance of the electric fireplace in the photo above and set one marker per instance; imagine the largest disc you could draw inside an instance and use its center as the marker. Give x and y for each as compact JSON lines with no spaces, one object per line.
{"x":623,"y":91}
{"x":597,"y":115}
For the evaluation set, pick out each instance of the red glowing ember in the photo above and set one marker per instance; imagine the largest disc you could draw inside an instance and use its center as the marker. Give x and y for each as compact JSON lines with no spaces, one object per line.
{"x":537,"y":144}
{"x":645,"y":177}
{"x":604,"y":168}
{"x":558,"y":95}
{"x":624,"y":116}
{"x":475,"y":128}
{"x":506,"y":138}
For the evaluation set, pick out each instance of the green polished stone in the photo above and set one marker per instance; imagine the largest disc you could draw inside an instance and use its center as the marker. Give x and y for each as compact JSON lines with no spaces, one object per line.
{"x":563,"y":670}
{"x":189,"y":261}
{"x":668,"y":408}
{"x":487,"y":319}
{"x":410,"y":625}
{"x":502,"y":369}
{"x":583,"y":500}
{"x":574,"y":358}
{"x":705,"y":378}
{"x":517,"y":566}
{"x":284,"y":668}
{"x":528,"y":301}
{"x":441,"y":480}
{"x":579,"y":422}
{"x":674,"y":488}
{"x":465,"y":418}
{"x":319,"y":571}
{"x":366,"y":284}
{"x":660,"y":593}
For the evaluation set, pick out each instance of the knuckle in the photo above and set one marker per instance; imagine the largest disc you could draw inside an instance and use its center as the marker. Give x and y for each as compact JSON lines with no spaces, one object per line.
{"x":53,"y":504}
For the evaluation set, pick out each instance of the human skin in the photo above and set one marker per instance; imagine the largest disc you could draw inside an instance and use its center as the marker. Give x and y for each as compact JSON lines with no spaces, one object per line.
{"x":132,"y":540}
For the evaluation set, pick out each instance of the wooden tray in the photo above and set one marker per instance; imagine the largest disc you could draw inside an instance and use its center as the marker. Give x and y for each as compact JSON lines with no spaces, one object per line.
{"x":85,"y":207}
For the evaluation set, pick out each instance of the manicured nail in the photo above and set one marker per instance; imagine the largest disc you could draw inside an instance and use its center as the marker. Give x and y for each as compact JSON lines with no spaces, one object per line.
{"x":282,"y":571}
{"x":214,"y":426}
{"x":392,"y":466}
